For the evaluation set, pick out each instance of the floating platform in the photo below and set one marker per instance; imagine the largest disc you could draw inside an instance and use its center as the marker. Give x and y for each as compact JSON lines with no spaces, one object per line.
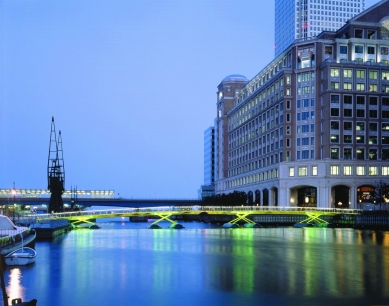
{"x":176,"y":226}
{"x":252,"y":225}
{"x":52,"y":228}
{"x":154,"y":226}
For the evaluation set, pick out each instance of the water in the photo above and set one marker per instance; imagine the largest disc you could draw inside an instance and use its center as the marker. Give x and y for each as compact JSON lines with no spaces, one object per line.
{"x":125,"y":264}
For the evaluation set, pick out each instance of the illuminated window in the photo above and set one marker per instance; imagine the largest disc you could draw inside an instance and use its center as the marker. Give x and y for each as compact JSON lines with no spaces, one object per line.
{"x":314,"y":170}
{"x":373,"y":170}
{"x":347,"y":86}
{"x":385,"y":170}
{"x":360,"y":170}
{"x":303,"y":171}
{"x":291,"y":171}
{"x":335,"y":72}
{"x":347,"y":170}
{"x":360,"y":74}
{"x":348,"y":73}
{"x":334,"y":170}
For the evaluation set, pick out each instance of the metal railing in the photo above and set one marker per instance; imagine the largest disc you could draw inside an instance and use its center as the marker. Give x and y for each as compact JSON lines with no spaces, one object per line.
{"x":37,"y":218}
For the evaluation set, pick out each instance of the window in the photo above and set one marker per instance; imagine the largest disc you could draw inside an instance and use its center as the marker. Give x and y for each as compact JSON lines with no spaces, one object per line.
{"x":343,"y":50}
{"x":334,"y":153}
{"x":373,"y":113}
{"x":347,"y":170}
{"x":373,"y":154}
{"x":314,"y":170}
{"x":360,"y":139}
{"x":360,"y":87}
{"x":372,"y":140}
{"x":373,"y":87}
{"x":347,"y":139}
{"x":358,"y":49}
{"x":360,"y":170}
{"x":347,"y":86}
{"x":360,"y":74}
{"x":347,"y":99}
{"x":334,"y":125}
{"x":360,"y":153}
{"x":361,"y":100}
{"x":347,"y":153}
{"x":360,"y":113}
{"x":347,"y":112}
{"x":385,"y":140}
{"x":385,"y":170}
{"x":291,"y":171}
{"x":360,"y":126}
{"x":303,"y":171}
{"x":373,"y":100}
{"x":385,"y":127}
{"x":334,"y":98}
{"x":373,"y":126}
{"x":334,"y":170}
{"x":335,"y":72}
{"x":384,"y":50}
{"x":385,"y":75}
{"x":348,"y":126}
{"x":358,"y":33}
{"x":334,"y":112}
{"x":373,"y":170}
{"x":328,"y":50}
{"x":373,"y":75}
{"x":335,"y":85}
{"x":370,"y":50}
{"x":334,"y":138}
{"x":385,"y":155}
{"x":348,"y":73}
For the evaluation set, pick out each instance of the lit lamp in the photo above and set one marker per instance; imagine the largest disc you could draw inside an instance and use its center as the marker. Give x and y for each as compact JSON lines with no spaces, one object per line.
{"x":306,"y":199}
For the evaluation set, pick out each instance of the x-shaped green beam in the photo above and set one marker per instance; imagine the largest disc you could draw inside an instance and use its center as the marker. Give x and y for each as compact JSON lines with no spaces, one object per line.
{"x":313,"y":218}
{"x":240,"y":216}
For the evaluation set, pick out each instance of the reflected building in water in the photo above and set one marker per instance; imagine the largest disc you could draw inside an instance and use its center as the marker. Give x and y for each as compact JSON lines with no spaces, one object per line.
{"x":312,"y":127}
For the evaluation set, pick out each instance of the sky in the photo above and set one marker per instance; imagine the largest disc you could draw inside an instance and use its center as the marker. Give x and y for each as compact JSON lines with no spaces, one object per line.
{"x":130,"y":84}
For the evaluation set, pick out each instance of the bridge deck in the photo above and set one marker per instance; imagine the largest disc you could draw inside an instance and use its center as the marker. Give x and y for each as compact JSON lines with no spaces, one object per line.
{"x":193,"y":210}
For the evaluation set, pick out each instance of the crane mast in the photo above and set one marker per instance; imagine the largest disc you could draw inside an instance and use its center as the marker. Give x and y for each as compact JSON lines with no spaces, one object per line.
{"x":55,"y":170}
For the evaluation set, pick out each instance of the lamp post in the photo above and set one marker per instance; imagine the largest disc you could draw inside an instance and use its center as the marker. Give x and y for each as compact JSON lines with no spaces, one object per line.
{"x":13,"y":204}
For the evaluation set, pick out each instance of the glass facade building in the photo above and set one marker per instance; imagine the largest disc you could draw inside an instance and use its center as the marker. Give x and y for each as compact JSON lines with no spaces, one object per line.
{"x":301,"y":19}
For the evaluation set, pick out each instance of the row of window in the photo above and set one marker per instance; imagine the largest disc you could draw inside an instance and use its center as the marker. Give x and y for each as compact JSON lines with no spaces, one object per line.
{"x":360,"y":113}
{"x":359,"y":153}
{"x":346,"y":170}
{"x":359,"y":126}
{"x":359,"y":73}
{"x":263,"y":176}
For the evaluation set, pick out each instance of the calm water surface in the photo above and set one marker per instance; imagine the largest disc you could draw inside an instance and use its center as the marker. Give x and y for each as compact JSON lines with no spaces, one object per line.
{"x":125,"y":264}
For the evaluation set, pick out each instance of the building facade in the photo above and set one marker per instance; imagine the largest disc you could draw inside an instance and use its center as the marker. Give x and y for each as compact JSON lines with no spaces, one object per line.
{"x":208,"y":189}
{"x":297,"y":19}
{"x":311,"y":128}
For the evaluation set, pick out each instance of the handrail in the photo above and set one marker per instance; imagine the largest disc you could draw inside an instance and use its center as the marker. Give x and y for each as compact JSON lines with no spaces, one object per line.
{"x":197,"y":209}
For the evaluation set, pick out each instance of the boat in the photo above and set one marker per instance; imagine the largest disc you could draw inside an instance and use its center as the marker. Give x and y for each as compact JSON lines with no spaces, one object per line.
{"x":21,"y":257}
{"x":14,"y":237}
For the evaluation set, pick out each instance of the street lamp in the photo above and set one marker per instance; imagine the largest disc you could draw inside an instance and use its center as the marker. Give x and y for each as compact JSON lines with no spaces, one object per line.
{"x":13,"y":196}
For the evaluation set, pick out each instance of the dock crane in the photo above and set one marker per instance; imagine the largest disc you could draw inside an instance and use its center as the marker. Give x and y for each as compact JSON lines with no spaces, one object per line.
{"x":55,"y":171}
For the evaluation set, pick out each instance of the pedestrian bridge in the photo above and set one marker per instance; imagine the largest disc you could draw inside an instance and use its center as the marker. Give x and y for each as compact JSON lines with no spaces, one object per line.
{"x":241,"y":214}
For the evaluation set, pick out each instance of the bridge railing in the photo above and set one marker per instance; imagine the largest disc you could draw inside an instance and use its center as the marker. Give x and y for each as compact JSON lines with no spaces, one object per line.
{"x":199,"y":209}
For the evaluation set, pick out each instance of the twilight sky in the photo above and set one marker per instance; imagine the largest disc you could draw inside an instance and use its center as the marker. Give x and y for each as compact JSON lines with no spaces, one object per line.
{"x":131,"y":85}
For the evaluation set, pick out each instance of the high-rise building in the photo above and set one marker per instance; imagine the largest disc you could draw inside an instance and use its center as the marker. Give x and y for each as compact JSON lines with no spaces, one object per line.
{"x":312,"y":127}
{"x":208,"y":189}
{"x":301,"y":19}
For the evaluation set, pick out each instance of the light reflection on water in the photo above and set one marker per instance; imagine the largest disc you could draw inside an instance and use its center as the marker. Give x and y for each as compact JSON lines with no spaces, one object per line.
{"x":267,"y":266}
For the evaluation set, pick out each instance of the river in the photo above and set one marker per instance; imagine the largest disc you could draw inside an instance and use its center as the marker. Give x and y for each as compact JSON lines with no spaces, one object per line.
{"x":124,"y":263}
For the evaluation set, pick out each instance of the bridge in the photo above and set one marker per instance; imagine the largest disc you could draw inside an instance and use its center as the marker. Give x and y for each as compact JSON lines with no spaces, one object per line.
{"x":240,"y":213}
{"x":34,"y":197}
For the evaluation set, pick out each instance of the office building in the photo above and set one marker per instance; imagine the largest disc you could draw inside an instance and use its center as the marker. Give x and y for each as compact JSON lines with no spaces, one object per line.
{"x":312,"y":127}
{"x":208,"y":189}
{"x":301,"y":19}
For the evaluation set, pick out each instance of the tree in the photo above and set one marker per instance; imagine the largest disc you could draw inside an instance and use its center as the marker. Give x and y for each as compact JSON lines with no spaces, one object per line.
{"x":381,"y":190}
